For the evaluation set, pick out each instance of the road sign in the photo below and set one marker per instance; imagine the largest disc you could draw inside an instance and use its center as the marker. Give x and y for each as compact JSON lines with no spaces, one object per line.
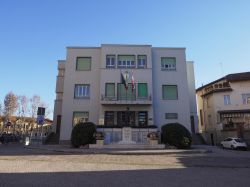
{"x":41,"y":111}
{"x":40,"y":119}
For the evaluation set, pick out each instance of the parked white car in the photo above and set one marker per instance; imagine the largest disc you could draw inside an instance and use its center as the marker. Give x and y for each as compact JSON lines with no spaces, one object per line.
{"x":234,"y":143}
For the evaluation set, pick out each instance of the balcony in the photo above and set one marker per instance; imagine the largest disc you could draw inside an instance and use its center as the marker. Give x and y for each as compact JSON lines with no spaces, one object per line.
{"x":123,"y":100}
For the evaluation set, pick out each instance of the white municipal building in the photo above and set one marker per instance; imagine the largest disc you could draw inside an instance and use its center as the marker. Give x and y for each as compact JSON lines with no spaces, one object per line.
{"x":89,"y":88}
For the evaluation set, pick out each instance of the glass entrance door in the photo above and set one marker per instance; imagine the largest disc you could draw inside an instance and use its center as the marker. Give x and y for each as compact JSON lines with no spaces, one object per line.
{"x":126,"y":118}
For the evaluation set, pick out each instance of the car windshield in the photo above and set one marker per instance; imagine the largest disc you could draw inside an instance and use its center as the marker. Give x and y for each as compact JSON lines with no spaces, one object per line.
{"x":239,"y":140}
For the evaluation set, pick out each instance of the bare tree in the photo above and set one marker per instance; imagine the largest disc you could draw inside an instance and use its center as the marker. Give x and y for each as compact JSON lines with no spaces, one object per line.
{"x":47,"y":109}
{"x":23,"y":102}
{"x":1,"y":109}
{"x":10,"y":104}
{"x":35,"y":102}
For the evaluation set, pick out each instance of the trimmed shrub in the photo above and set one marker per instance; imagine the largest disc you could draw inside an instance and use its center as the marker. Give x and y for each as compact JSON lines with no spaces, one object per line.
{"x":177,"y":135}
{"x":83,"y":134}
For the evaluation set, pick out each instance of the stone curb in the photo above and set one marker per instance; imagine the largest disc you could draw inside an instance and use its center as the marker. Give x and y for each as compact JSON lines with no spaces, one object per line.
{"x":122,"y":151}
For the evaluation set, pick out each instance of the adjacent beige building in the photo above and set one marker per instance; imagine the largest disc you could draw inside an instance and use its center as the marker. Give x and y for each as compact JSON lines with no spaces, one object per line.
{"x":160,"y":89}
{"x":224,"y":108}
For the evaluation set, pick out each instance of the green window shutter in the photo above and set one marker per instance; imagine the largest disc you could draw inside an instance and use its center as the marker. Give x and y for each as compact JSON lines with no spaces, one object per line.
{"x":110,"y":90}
{"x":121,"y":91}
{"x":169,"y":92}
{"x":126,"y":57}
{"x":83,"y":63}
{"x":124,"y":94}
{"x":130,"y":94}
{"x":142,"y":90}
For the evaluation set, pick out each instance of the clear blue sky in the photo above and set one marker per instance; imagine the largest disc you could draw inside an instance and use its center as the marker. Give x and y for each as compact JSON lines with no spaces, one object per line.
{"x":34,"y":34}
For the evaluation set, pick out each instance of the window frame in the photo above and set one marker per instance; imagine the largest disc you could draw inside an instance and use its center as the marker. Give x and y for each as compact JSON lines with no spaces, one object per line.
{"x":110,"y":66}
{"x":141,"y":66}
{"x":142,"y":97}
{"x":76,"y":96}
{"x":74,"y":112}
{"x":129,"y":95}
{"x":106,"y":90}
{"x":246,"y":98}
{"x":105,"y":118}
{"x":227,"y":100}
{"x":163,"y":68}
{"x":165,"y":98}
{"x":146,"y":119}
{"x":126,"y":64}
{"x":171,"y":116}
{"x":83,"y":57}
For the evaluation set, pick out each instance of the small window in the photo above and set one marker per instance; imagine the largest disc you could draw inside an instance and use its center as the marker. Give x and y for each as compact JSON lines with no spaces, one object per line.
{"x":110,"y":61}
{"x":141,"y":61}
{"x":168,"y":63}
{"x":227,"y":100}
{"x":81,"y":91}
{"x":109,"y":118}
{"x":169,"y":92}
{"x":171,"y":116}
{"x":80,"y":117}
{"x":83,"y":63}
{"x":246,"y":98}
{"x":143,"y":118}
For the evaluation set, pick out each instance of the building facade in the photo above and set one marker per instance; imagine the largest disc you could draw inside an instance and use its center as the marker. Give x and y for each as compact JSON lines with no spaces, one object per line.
{"x":224,"y":108}
{"x":159,"y":89}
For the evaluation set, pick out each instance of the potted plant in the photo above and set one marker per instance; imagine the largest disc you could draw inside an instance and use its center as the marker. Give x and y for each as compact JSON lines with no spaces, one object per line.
{"x":99,"y":136}
{"x":153,"y":138}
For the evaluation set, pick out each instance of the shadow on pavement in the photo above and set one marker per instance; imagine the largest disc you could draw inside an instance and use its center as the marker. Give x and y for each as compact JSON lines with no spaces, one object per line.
{"x":153,"y":177}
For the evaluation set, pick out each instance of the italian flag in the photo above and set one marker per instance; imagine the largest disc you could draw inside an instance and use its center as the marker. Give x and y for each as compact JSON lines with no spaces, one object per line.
{"x":124,"y":79}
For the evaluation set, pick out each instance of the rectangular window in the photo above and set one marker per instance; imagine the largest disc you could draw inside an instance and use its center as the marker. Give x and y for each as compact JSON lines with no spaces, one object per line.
{"x":169,"y":92}
{"x":80,"y":117}
{"x":109,"y":118}
{"x":143,"y":118}
{"x":83,"y":63}
{"x":171,"y":115}
{"x":142,"y":90}
{"x":227,"y":100}
{"x":246,"y":98}
{"x":123,"y":94}
{"x":168,"y":63}
{"x":110,"y":90}
{"x":82,"y":91}
{"x":110,"y":61}
{"x":141,"y":61}
{"x":126,"y":61}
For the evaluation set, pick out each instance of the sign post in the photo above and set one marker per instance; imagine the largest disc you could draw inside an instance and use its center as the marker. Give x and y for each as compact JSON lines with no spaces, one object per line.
{"x":41,"y":119}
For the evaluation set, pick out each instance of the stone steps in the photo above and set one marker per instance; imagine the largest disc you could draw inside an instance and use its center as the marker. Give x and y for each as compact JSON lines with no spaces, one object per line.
{"x":128,"y":146}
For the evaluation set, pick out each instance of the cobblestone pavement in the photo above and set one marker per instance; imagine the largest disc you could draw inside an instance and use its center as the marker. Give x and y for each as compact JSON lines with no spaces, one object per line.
{"x":33,"y":167}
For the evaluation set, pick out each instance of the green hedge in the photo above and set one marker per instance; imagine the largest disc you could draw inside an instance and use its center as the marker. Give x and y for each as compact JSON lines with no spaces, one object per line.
{"x":83,"y":134}
{"x":177,"y":135}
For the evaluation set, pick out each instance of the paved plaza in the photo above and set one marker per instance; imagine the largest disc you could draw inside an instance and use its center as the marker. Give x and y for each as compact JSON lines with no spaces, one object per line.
{"x":40,"y":167}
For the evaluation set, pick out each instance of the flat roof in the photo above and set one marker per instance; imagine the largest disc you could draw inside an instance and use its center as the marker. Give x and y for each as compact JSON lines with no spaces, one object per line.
{"x":123,"y":45}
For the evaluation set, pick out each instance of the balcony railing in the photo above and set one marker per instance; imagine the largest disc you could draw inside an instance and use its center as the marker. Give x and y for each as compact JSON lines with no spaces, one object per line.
{"x":129,"y":99}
